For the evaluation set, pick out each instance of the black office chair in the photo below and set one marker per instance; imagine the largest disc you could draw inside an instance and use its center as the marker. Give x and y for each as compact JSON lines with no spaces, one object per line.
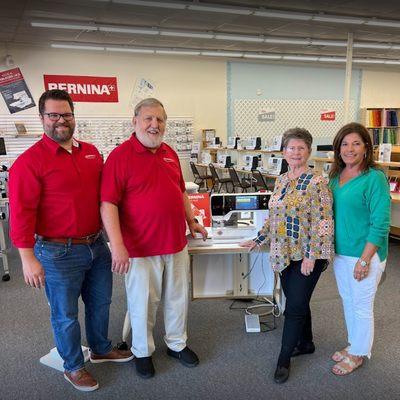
{"x":258,"y":180}
{"x":219,"y":182}
{"x":199,"y":178}
{"x":238,"y":183}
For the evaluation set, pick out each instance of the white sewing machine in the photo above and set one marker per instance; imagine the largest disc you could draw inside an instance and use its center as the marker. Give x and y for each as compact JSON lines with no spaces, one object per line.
{"x":250,"y":162}
{"x":224,"y":160}
{"x":237,"y":216}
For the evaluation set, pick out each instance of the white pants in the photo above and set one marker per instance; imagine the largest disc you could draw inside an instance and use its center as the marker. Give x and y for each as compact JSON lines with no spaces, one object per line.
{"x":358,"y":301}
{"x":148,"y":280}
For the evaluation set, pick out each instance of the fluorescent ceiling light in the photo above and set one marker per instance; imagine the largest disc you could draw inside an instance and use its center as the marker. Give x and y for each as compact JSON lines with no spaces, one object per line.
{"x":382,"y":22}
{"x":210,"y":35}
{"x":369,"y":61}
{"x":226,"y":10}
{"x":365,"y":45}
{"x":263,"y":56}
{"x":338,"y":19}
{"x":332,"y":59}
{"x":283,"y":15}
{"x":260,"y":12}
{"x":145,"y":3}
{"x":193,"y":52}
{"x":221,"y":54}
{"x":240,"y":38}
{"x":300,"y":58}
{"x":199,"y":35}
{"x":76,"y":46}
{"x":125,"y":29}
{"x":286,"y":40}
{"x":63,"y":25}
{"x":130,"y":50}
{"x":179,"y":52}
{"x":334,"y":43}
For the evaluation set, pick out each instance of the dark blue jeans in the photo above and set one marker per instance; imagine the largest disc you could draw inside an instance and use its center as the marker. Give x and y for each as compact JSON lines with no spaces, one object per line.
{"x":73,"y":270}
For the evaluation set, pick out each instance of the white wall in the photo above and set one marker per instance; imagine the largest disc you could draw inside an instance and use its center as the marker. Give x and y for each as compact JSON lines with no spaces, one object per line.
{"x":380,"y":89}
{"x":187,"y":86}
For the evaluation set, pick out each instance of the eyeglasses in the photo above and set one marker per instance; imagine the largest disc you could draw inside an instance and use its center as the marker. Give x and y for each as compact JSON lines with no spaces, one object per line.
{"x":56,"y":116}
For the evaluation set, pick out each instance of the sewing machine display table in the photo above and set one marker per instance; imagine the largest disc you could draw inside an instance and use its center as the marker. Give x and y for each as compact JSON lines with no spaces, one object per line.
{"x":221,"y":270}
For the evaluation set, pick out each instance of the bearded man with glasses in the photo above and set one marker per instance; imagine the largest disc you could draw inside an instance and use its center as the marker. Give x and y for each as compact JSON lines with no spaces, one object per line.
{"x":55,"y":224}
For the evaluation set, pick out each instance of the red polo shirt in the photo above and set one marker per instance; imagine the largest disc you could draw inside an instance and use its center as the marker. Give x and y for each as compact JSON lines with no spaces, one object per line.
{"x":148,"y":190}
{"x":55,"y":193}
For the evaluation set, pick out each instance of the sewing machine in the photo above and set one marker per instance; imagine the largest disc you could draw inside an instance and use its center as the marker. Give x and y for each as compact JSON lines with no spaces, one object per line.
{"x":237,"y":216}
{"x":250,"y":162}
{"x":224,"y":160}
{"x":276,"y":166}
{"x":233,"y":142}
{"x":253,"y":143}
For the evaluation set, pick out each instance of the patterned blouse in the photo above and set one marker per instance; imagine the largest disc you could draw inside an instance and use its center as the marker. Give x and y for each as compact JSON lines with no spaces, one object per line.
{"x":300,"y":222}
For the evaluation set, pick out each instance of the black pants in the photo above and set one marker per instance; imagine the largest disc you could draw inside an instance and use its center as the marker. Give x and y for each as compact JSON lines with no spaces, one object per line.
{"x":298,"y":288}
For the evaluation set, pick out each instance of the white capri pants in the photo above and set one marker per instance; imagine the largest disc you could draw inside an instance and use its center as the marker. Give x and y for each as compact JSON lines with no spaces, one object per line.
{"x":149,"y":280}
{"x":358,"y":301}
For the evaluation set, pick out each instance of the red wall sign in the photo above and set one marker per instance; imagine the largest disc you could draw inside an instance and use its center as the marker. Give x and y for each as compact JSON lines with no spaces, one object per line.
{"x":328,"y":115}
{"x":96,"y":89}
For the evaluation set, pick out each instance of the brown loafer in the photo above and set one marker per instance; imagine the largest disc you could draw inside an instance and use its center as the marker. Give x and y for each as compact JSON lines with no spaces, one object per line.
{"x":81,"y":380}
{"x":115,"y":355}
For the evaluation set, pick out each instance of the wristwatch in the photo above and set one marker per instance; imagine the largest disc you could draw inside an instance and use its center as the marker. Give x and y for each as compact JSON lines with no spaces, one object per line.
{"x":363,"y":263}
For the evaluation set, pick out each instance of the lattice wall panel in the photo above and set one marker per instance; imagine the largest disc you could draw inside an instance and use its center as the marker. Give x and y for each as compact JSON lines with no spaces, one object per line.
{"x":288,"y":114}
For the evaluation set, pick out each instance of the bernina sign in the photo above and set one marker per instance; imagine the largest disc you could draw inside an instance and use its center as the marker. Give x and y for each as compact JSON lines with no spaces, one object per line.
{"x":85,"y":88}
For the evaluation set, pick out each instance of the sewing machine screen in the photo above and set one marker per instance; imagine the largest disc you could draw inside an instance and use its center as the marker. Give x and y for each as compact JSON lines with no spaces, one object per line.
{"x":247,"y":202}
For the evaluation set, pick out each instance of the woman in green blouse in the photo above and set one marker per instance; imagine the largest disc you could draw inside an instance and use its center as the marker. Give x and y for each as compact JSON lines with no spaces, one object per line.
{"x":362,"y":219}
{"x":300,"y":232}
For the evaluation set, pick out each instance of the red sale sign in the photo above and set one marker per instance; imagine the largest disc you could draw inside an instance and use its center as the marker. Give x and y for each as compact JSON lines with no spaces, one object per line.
{"x":96,"y":89}
{"x":328,"y":115}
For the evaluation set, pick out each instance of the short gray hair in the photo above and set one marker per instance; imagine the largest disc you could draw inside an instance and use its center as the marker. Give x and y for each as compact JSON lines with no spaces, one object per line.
{"x":149,"y":102}
{"x":297,"y":133}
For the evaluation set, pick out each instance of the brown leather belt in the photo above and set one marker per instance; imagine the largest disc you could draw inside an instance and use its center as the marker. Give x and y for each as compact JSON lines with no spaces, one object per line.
{"x":90,"y":239}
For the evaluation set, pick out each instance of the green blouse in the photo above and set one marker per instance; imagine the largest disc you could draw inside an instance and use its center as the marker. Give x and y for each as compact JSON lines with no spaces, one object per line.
{"x":300,"y":222}
{"x":362,"y":213}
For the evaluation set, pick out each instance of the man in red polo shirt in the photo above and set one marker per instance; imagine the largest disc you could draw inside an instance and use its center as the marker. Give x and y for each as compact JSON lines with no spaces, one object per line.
{"x":145,"y":209}
{"x":55,"y":224}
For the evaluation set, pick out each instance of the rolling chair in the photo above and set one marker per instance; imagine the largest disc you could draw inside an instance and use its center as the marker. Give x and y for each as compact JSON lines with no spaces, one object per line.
{"x":238,"y":183}
{"x":219,"y":182}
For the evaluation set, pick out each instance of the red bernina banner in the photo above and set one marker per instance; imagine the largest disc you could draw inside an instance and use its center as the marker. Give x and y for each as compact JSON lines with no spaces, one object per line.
{"x":91,"y":89}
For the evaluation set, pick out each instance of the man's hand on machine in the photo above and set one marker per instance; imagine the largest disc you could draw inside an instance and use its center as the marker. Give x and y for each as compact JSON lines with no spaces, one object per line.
{"x":33,"y":273}
{"x":120,"y":259}
{"x":249,"y":244}
{"x":195,"y":227}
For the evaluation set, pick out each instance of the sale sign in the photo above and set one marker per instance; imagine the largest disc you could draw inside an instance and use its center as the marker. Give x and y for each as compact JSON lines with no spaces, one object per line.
{"x":328,"y":115}
{"x":91,"y":89}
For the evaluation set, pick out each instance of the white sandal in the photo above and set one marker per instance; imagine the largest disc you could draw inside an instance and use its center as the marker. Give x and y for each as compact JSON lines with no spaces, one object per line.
{"x":346,"y":366}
